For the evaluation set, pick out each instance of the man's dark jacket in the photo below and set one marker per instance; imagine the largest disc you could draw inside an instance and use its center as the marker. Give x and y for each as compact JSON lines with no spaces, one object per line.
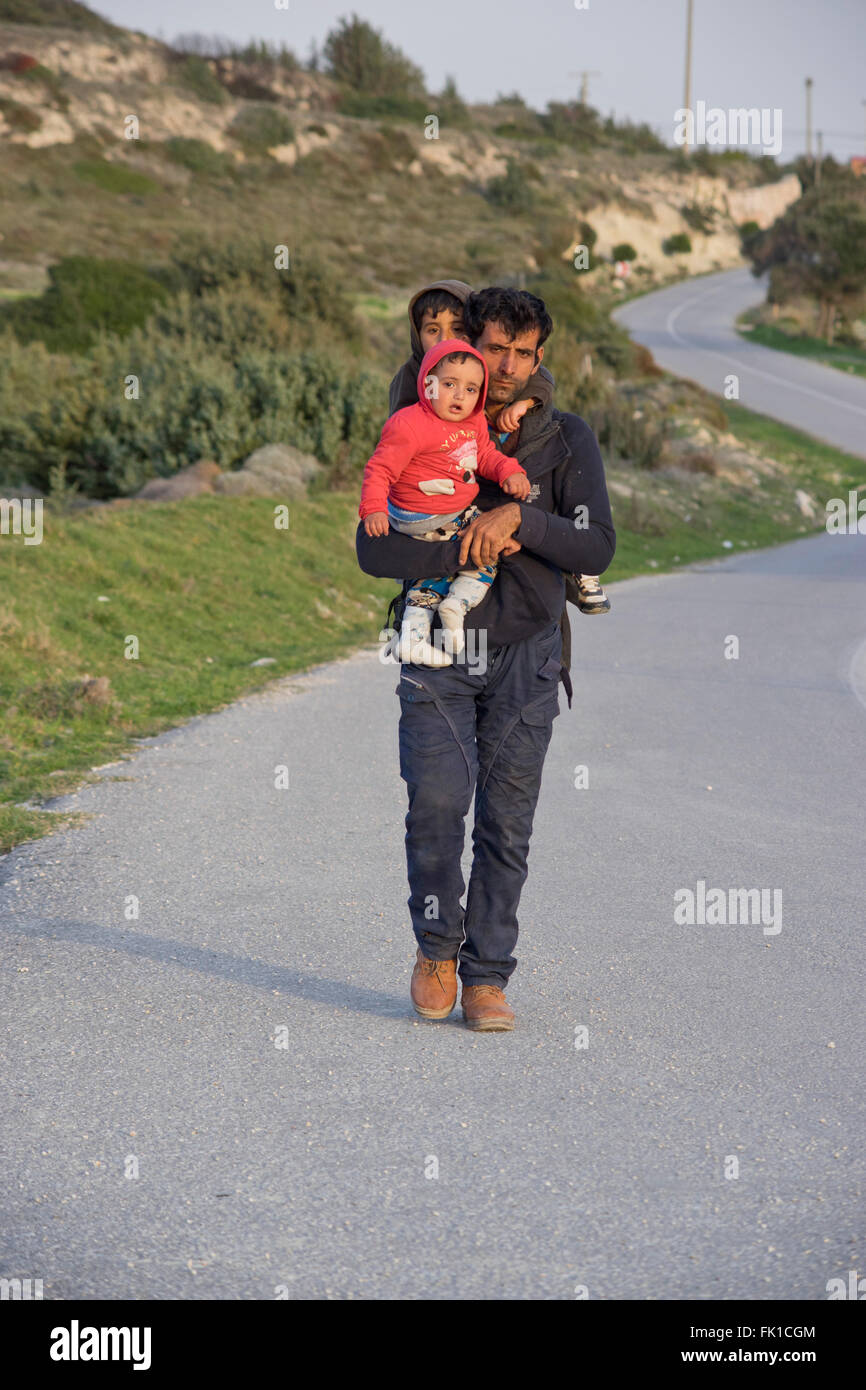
{"x":562,"y":460}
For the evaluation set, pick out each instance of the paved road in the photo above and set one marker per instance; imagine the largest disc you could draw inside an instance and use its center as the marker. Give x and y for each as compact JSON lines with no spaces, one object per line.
{"x":690,"y":330}
{"x":271,"y":915}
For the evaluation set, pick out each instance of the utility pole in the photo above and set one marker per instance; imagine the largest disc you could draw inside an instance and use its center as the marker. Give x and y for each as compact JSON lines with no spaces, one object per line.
{"x":820,"y":157}
{"x":808,"y":118}
{"x":688,"y":101}
{"x":585,"y":74}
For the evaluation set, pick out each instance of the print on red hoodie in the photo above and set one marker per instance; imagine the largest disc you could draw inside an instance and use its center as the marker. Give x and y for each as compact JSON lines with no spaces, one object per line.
{"x":416,"y":448}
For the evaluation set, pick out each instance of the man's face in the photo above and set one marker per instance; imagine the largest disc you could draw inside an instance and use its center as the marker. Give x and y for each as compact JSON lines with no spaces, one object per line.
{"x":438,"y":328}
{"x":510,"y":362}
{"x":454,"y":388}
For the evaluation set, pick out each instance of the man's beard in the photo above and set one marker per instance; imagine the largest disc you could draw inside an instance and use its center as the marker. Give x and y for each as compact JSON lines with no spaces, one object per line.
{"x":512,"y":392}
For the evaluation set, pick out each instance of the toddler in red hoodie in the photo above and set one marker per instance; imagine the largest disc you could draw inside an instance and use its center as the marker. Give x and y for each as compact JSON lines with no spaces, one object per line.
{"x":421,"y":480}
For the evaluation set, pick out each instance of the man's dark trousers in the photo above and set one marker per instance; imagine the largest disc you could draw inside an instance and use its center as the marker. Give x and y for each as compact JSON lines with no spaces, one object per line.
{"x":487,"y":731}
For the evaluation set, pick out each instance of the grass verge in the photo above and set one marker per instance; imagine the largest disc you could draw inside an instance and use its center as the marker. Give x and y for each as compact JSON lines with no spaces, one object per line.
{"x":846,"y":359}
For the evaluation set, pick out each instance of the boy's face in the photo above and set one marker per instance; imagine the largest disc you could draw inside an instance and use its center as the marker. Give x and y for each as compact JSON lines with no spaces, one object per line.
{"x":438,"y":328}
{"x":454,"y":388}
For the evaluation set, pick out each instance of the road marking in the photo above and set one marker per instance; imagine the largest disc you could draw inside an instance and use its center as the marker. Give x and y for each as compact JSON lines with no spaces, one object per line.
{"x":756,"y":371}
{"x":857,"y":673}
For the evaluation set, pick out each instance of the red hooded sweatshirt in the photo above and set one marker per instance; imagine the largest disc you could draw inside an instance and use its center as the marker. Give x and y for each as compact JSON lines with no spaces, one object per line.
{"x":416,"y":448}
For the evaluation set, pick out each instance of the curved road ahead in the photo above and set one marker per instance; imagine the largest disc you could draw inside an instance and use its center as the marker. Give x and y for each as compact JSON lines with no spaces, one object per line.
{"x":689,"y":329}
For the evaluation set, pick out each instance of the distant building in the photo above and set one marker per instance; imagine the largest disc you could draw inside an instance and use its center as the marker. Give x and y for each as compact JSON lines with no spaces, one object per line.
{"x":858,"y":164}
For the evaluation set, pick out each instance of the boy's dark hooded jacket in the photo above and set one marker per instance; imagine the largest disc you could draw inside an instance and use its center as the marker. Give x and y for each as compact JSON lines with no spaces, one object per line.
{"x":403,"y":390}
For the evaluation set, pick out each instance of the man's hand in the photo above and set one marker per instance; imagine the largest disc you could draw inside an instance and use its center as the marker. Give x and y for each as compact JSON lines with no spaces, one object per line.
{"x":376,"y":523}
{"x":490,"y":535}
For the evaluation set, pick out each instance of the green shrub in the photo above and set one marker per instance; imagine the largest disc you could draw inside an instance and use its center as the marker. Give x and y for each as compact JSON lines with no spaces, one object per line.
{"x":359,"y":57}
{"x":308,"y":292}
{"x":634,"y":138}
{"x":637,"y":435}
{"x":573,"y":124}
{"x":19,"y":117}
{"x":624,"y":251}
{"x":194,"y":403}
{"x":700,"y":217}
{"x":199,"y":157}
{"x":450,"y":106}
{"x":680,"y":241}
{"x":385,"y":148}
{"x":85,"y":296}
{"x":197,"y":76}
{"x":512,"y":191}
{"x":260,"y":128}
{"x":113,"y":178}
{"x":369,"y":106}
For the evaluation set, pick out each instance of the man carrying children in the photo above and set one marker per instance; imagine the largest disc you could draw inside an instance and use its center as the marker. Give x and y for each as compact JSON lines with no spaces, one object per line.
{"x":482,"y":726}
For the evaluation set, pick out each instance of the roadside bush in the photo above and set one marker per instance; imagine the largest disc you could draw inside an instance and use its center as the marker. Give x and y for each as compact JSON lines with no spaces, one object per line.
{"x":199,"y":157}
{"x":631,"y":433}
{"x":624,"y":251}
{"x":200,"y":404}
{"x":85,"y":296}
{"x":512,"y":191}
{"x":680,"y":241}
{"x":259,"y":128}
{"x":308,"y":292}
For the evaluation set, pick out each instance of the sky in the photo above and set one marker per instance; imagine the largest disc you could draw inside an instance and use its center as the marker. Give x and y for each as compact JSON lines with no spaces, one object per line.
{"x":746,"y":53}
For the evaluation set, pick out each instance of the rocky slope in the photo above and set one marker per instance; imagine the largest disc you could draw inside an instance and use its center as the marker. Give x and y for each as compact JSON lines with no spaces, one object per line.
{"x":59,"y":85}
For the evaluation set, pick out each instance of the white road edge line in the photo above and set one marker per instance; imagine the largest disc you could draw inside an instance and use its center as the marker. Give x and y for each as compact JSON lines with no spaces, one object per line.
{"x":735,"y":361}
{"x":857,"y":673}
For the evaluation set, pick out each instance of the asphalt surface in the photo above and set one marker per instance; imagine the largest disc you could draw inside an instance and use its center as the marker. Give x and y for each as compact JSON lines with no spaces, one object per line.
{"x":273,"y":916}
{"x":689,"y":328}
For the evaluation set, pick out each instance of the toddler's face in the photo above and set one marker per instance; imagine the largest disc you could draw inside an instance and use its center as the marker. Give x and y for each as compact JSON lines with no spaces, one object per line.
{"x":438,"y":328}
{"x":454,"y":388}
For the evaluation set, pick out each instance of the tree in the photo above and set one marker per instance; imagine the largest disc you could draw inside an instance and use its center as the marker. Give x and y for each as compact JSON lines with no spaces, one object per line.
{"x":360,"y":56}
{"x":817,"y":248}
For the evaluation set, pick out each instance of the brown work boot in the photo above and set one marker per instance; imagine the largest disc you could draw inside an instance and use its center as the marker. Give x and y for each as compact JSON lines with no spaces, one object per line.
{"x":434,"y":986}
{"x":485,"y":1009}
